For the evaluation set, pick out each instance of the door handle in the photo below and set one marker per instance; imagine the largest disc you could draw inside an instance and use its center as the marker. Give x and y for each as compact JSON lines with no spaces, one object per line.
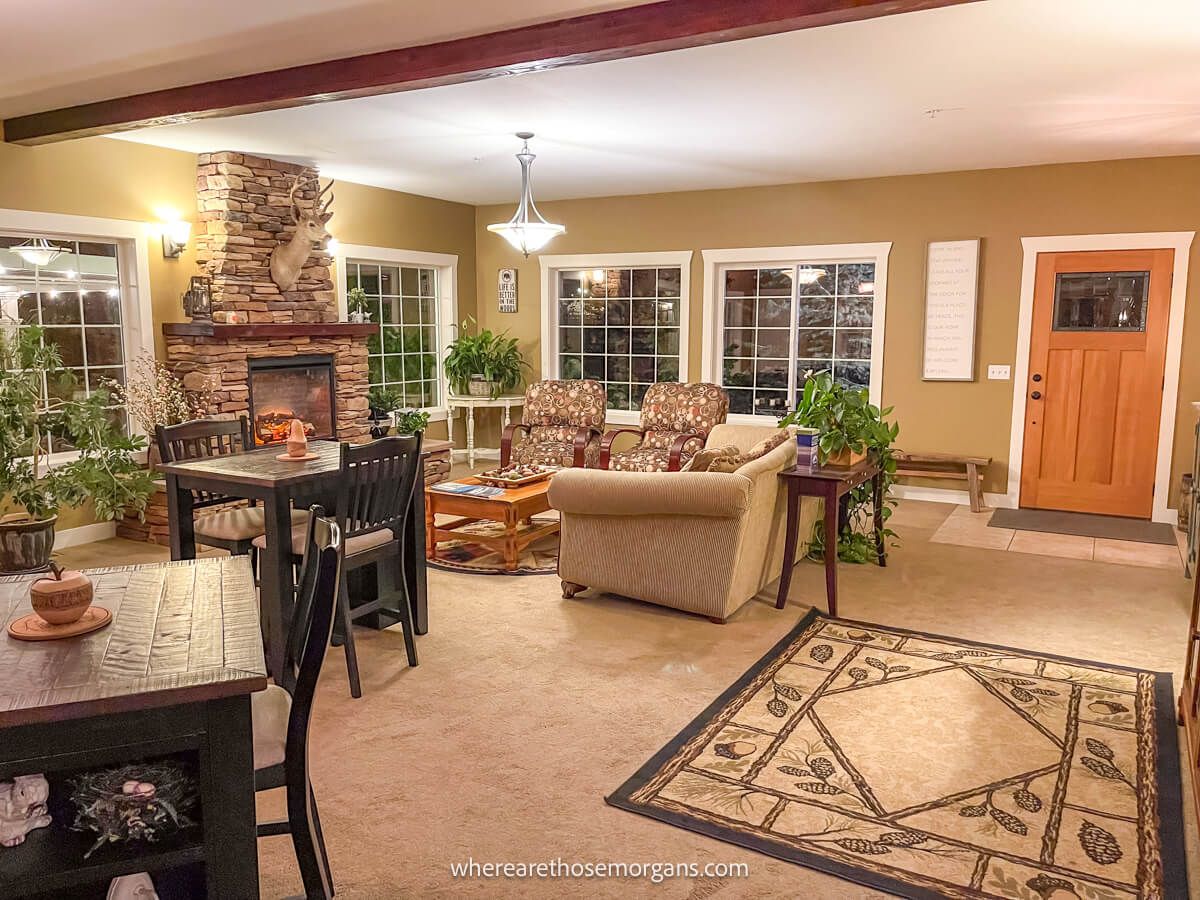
{"x":1036,"y":395}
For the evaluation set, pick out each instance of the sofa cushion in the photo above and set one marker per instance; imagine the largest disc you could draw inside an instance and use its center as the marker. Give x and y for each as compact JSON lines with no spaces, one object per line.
{"x":575,"y":404}
{"x":731,"y":463}
{"x":702,"y":461}
{"x":242,"y":524}
{"x":556,"y":453}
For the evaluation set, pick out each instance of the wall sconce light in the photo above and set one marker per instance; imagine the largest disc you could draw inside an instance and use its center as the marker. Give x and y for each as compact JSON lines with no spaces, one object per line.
{"x":175,"y":237}
{"x":331,"y":246}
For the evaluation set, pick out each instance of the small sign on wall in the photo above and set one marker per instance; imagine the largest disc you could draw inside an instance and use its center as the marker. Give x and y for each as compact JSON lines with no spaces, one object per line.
{"x":951,"y":285}
{"x":506,"y":290}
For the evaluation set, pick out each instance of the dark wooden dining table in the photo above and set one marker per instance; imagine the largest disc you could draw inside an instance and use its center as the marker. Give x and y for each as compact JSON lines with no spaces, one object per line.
{"x":169,"y":677}
{"x":281,"y":485}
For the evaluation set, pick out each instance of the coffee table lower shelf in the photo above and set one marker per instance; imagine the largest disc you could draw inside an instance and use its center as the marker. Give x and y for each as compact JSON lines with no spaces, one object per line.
{"x":514,"y":509}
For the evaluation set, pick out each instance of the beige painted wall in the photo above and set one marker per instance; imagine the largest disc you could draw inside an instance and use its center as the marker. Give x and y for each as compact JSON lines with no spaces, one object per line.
{"x":120,"y":180}
{"x":1000,"y":205}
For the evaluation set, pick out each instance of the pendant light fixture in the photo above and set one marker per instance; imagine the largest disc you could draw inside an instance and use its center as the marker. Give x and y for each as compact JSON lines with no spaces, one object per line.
{"x":527,"y":231}
{"x":37,"y":251}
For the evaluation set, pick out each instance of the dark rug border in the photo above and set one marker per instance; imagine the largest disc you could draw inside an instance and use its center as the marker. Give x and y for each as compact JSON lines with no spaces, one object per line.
{"x":1167,"y":770}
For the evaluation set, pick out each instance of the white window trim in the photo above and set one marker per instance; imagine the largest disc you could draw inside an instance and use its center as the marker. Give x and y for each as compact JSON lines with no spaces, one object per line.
{"x":137,"y":313}
{"x":447,"y":298}
{"x":552,"y":265}
{"x":1181,"y":243}
{"x":765,"y":257}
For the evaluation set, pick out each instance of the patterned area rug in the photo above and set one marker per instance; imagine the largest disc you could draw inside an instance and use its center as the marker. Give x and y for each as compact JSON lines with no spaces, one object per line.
{"x":932,"y":767}
{"x":538,"y":558}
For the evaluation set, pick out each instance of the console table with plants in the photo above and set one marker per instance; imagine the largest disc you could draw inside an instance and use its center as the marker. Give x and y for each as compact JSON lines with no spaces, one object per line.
{"x":484,"y":369}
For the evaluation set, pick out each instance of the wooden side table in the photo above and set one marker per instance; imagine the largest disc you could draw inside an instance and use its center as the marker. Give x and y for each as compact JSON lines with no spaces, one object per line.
{"x":470,"y":404}
{"x":830,"y":484}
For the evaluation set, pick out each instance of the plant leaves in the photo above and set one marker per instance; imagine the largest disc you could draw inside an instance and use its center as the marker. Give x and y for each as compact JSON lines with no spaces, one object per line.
{"x":817,"y":787}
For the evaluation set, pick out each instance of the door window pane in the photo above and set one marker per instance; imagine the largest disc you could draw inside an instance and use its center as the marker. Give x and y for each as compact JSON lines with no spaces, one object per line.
{"x":402,"y":303}
{"x":1100,"y":301}
{"x":625,"y":324}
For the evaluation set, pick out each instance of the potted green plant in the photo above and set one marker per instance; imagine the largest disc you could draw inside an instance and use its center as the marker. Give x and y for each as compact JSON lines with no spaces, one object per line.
{"x":410,"y":421}
{"x":484,"y":364}
{"x":356,"y":306}
{"x":41,"y":410}
{"x":850,"y":427}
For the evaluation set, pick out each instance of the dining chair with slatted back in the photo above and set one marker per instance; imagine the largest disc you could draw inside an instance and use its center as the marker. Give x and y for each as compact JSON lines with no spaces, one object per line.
{"x":282,"y":713}
{"x":229,"y":529}
{"x":374,"y":501}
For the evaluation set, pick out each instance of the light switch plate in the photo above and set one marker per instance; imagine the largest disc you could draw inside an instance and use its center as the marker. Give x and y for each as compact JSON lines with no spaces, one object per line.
{"x":999,"y":373}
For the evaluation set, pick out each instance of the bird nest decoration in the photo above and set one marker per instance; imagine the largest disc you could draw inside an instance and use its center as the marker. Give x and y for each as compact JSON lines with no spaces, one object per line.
{"x":147,"y":802}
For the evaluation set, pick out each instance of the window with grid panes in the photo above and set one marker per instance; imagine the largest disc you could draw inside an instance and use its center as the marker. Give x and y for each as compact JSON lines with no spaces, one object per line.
{"x":783,"y":322}
{"x":76,"y":299}
{"x":620,"y":327}
{"x":403,"y":354}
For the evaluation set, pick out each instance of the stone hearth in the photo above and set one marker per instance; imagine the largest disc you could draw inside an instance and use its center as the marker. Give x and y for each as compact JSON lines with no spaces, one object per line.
{"x":243,"y":216}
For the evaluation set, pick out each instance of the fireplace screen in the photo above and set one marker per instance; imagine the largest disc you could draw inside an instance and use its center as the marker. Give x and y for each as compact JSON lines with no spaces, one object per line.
{"x":296,"y":387}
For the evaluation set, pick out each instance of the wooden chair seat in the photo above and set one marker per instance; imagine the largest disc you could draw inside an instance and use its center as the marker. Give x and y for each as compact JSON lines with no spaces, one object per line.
{"x":946,"y":465}
{"x":243,"y":524}
{"x":359,"y":543}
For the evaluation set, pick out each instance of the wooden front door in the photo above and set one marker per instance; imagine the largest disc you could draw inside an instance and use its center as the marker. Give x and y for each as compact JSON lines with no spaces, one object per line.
{"x":1094,"y":391}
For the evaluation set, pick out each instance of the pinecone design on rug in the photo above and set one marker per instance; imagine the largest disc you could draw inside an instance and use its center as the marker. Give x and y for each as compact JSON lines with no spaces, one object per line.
{"x":1048,"y":886}
{"x":1022,"y":797}
{"x":1099,"y":844}
{"x":777,"y":705}
{"x":1102,"y":763}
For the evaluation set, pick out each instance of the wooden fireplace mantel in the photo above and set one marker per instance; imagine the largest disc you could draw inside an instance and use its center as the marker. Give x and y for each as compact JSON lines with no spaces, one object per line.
{"x":268,"y":330}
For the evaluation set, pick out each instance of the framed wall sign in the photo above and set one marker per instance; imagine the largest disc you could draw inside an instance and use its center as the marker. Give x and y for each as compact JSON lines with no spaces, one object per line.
{"x":951,"y":293}
{"x":506,"y":290}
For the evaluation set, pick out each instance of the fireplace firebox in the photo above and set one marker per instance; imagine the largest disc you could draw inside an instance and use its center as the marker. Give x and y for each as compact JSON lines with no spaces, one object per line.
{"x":291,"y":387}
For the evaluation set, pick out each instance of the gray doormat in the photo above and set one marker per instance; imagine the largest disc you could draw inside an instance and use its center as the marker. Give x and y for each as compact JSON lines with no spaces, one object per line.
{"x":1115,"y":528}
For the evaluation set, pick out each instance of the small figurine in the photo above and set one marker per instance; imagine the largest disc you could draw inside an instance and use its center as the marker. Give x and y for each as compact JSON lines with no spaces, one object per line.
{"x":137,"y":886}
{"x":297,"y":442}
{"x":22,"y":807}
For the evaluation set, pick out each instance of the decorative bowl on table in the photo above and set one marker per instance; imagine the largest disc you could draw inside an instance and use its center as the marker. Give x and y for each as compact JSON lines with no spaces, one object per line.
{"x":516,"y":475}
{"x":63,"y":598}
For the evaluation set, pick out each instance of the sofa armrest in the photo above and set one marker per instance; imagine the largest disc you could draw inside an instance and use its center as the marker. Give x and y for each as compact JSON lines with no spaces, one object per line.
{"x":596,"y":492}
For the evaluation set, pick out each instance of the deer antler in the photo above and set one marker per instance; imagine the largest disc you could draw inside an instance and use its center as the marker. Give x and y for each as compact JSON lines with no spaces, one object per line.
{"x":296,"y":213}
{"x":321,"y":207}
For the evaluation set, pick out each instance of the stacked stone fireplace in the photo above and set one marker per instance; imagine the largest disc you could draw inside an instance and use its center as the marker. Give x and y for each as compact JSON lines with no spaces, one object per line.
{"x":244,"y":214}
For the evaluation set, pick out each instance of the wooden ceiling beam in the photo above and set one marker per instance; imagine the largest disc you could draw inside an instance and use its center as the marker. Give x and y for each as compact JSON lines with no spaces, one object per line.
{"x":615,"y":34}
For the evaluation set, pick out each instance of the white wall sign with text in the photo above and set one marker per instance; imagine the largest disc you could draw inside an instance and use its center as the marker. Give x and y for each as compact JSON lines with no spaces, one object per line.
{"x":506,"y":290}
{"x":951,"y":290}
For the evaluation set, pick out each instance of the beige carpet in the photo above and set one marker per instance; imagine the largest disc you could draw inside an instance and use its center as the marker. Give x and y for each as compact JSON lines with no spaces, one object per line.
{"x":934,"y":767}
{"x":527,"y":710}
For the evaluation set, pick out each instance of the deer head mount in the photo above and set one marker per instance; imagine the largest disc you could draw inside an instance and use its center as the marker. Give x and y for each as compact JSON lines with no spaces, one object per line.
{"x":288,"y":259}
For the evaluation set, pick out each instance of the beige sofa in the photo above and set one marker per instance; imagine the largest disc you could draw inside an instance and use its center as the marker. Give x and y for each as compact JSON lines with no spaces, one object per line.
{"x":703,"y":542}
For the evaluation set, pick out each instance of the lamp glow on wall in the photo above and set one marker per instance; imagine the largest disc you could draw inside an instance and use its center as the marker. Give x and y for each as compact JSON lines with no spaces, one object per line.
{"x":175,"y":236}
{"x":527,"y":231}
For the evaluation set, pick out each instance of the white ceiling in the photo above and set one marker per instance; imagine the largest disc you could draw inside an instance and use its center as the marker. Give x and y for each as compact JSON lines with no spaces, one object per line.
{"x":1020,"y":82}
{"x":63,"y":52}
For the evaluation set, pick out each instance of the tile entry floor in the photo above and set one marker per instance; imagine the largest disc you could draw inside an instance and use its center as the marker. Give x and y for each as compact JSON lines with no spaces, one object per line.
{"x":968,"y":529}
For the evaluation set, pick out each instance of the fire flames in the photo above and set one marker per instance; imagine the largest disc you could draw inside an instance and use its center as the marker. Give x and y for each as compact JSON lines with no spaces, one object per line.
{"x":273,"y":428}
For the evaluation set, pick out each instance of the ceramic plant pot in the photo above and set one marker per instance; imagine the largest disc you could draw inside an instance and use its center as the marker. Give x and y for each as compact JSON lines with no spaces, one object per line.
{"x":61,"y":600}
{"x":479,"y":387}
{"x":25,"y":545}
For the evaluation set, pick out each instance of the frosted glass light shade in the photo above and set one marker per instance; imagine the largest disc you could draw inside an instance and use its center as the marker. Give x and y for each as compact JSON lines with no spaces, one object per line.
{"x":528,"y":237}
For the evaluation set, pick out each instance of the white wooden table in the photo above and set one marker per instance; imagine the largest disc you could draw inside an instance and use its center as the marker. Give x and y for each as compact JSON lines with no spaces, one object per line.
{"x":470,"y":404}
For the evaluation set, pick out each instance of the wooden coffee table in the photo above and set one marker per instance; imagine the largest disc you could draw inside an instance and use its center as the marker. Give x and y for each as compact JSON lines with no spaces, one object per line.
{"x":514,"y":509}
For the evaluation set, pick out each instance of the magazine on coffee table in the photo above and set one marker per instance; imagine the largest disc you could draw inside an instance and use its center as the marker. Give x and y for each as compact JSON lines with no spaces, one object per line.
{"x":472,"y":490}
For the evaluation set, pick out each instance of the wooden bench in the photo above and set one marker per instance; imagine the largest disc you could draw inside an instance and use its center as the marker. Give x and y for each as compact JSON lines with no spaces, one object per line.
{"x":947,"y":465}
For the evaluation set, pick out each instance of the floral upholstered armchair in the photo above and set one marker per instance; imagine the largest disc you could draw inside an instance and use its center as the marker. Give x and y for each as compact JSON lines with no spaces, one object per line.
{"x":562,"y":421}
{"x":676,"y":420}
